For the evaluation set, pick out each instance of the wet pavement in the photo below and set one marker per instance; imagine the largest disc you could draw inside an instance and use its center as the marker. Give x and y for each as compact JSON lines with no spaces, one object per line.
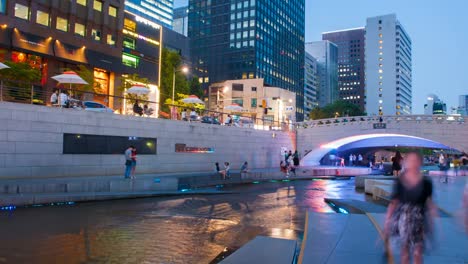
{"x":188,"y":229}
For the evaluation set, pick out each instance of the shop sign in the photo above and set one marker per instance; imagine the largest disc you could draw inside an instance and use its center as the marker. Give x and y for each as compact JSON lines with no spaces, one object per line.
{"x":183,"y":148}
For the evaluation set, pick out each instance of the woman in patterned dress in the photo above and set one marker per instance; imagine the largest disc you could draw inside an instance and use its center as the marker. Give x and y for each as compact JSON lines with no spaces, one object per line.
{"x":411,"y":212}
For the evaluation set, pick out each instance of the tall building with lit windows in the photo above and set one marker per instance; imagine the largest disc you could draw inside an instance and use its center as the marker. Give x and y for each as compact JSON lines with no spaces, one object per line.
{"x":351,"y":79}
{"x":157,"y":11}
{"x":388,"y":68}
{"x":326,"y":54}
{"x":249,"y":39}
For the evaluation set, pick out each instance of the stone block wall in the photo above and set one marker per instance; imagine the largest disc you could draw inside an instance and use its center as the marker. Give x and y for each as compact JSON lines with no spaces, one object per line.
{"x":31,"y":143}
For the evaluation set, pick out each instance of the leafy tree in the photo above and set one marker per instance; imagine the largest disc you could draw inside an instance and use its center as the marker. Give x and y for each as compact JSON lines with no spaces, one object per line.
{"x":88,"y":75}
{"x":195,"y":87}
{"x":339,"y":108}
{"x":181,"y":105}
{"x":171,"y":60}
{"x":19,"y":77}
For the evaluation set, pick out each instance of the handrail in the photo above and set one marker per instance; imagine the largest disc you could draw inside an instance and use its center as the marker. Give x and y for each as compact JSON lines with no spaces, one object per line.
{"x":379,"y":119}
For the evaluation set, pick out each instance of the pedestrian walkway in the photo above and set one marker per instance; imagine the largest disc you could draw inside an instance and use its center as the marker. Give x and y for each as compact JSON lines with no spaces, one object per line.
{"x":357,"y":238}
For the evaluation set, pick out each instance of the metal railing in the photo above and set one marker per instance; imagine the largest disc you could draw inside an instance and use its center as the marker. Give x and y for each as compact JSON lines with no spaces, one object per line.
{"x":26,"y":93}
{"x":380,"y":119}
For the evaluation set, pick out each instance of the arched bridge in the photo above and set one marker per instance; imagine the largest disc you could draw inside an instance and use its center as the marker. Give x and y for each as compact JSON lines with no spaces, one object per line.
{"x":321,"y":136}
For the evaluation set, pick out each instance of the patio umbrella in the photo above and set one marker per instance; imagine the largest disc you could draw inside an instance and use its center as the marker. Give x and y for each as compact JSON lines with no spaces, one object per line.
{"x":234,"y":107}
{"x":3,"y":66}
{"x":69,"y":77}
{"x":138,"y":89}
{"x":192,"y":99}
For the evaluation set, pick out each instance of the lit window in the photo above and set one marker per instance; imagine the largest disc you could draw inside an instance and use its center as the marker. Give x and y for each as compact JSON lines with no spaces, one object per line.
{"x":380,"y":83}
{"x":62,"y":24}
{"x":129,"y":42}
{"x":380,"y":47}
{"x":380,"y":35}
{"x":207,"y":79}
{"x":200,"y":80}
{"x":380,"y":71}
{"x":112,"y":11}
{"x":96,"y":34}
{"x":81,"y":2}
{"x":380,"y":65}
{"x":380,"y":101}
{"x":129,"y":24}
{"x":380,"y":41}
{"x":380,"y":53}
{"x":380,"y":59}
{"x":22,"y":11}
{"x":110,"y":39}
{"x":380,"y":77}
{"x":130,"y":60}
{"x":42,"y":18}
{"x":97,"y":5}
{"x":80,"y":29}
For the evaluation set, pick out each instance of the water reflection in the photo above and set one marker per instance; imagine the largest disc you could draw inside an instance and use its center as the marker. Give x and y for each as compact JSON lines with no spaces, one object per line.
{"x":164,"y":230}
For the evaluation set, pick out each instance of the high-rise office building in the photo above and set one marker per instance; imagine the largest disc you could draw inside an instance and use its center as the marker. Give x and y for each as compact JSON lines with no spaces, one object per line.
{"x":434,"y":106}
{"x":326,"y":54}
{"x":351,"y":79}
{"x":247,"y":39}
{"x":180,"y":23}
{"x":156,"y":11}
{"x":463,"y":104}
{"x":310,"y":84}
{"x":388,"y":67}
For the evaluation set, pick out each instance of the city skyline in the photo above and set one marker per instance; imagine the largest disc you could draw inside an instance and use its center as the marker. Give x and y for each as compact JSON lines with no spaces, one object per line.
{"x":434,"y":28}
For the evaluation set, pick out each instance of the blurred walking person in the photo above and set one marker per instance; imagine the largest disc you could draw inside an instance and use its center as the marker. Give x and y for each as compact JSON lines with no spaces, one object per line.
{"x":411,"y":212}
{"x":134,"y":162}
{"x":128,"y":162}
{"x":296,"y":159}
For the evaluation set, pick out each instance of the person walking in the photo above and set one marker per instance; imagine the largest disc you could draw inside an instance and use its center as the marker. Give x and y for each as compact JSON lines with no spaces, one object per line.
{"x":396,"y":164}
{"x":63,"y":99}
{"x":350,"y":160}
{"x":128,"y":162}
{"x":225,"y":172}
{"x":342,"y":163}
{"x":360,"y":160}
{"x":134,"y":162}
{"x":296,"y":159}
{"x":244,"y":169}
{"x":184,"y":115}
{"x":411,"y":212}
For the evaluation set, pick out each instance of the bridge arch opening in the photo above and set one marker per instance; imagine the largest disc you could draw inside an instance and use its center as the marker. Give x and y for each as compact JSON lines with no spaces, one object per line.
{"x":342,"y":147}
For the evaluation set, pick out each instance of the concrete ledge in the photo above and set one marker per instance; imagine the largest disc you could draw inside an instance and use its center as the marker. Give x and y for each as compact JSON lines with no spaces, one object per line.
{"x":359,"y":181}
{"x":264,"y":250}
{"x":370,"y":184}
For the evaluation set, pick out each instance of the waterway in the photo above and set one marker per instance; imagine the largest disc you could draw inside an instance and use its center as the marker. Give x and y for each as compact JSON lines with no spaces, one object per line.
{"x":182,"y":229}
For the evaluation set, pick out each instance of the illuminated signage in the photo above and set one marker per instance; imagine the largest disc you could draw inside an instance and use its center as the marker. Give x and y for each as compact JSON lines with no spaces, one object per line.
{"x":380,"y":126}
{"x":182,"y":148}
{"x":138,"y":36}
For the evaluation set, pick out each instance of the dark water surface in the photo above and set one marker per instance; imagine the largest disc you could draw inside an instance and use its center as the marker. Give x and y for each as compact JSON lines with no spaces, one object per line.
{"x":188,"y":229}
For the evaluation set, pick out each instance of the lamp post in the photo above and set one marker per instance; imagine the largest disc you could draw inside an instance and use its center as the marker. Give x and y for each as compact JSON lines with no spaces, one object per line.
{"x":185,"y":70}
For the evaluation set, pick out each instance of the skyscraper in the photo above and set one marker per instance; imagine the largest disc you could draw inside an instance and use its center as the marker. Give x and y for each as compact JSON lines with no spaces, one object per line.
{"x":247,"y":39}
{"x":157,"y":11}
{"x":351,"y":79}
{"x":310,"y":84}
{"x":388,"y":67}
{"x":326,"y":54}
{"x":180,"y":23}
{"x":434,"y":106}
{"x":463,"y":105}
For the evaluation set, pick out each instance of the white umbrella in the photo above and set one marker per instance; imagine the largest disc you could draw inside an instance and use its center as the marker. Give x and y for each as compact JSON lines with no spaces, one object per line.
{"x":138,"y":89}
{"x":3,"y":66}
{"x":192,"y":99}
{"x":69,"y":77}
{"x":234,"y":107}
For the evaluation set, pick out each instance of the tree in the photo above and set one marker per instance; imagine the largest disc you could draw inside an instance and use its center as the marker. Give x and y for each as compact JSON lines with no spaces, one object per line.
{"x":19,"y":78}
{"x":87,"y":75}
{"x":339,"y":108}
{"x":171,"y":61}
{"x":195,"y":87}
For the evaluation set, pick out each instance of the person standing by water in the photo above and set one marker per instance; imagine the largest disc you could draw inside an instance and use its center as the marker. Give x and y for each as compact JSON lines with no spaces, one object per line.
{"x":128,"y":162}
{"x":396,"y":164}
{"x":411,"y":213}
{"x":134,"y":162}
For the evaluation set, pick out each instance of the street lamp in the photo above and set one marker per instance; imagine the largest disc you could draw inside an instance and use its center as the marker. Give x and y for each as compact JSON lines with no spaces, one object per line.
{"x":184,"y":70}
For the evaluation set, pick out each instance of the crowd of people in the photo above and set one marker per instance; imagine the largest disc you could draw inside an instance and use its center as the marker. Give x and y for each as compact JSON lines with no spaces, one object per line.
{"x":290,"y":163}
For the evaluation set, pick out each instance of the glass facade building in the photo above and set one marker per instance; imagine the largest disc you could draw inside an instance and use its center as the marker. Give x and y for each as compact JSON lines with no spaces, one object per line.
{"x":326,"y":54}
{"x":157,"y":11}
{"x":180,"y":24}
{"x":310,"y":84}
{"x":351,"y":62}
{"x":247,"y":39}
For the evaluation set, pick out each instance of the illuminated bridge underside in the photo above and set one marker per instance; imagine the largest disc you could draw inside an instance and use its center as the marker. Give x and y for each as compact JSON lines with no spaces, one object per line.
{"x":369,"y":141}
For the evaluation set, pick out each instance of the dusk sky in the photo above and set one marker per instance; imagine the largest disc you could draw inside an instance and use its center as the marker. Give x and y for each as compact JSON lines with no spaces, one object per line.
{"x":438,"y":30}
